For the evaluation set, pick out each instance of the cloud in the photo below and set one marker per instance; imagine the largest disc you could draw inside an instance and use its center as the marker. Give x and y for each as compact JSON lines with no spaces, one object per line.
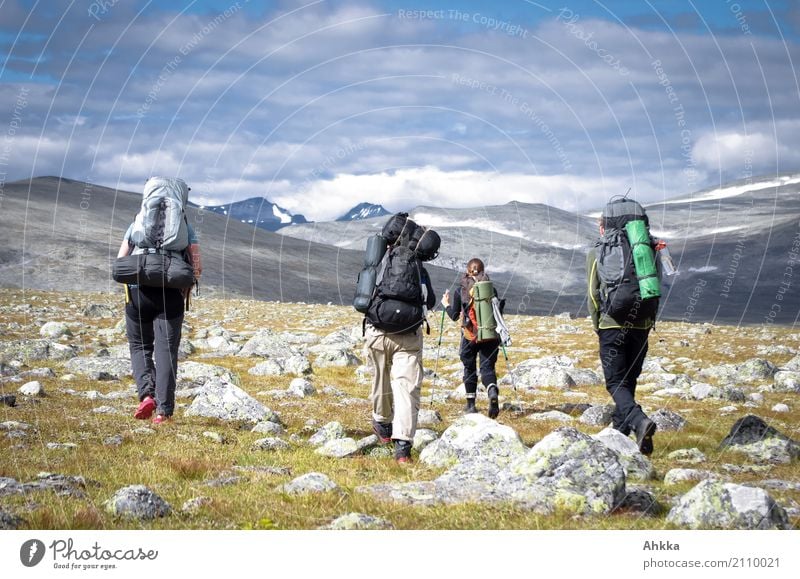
{"x":320,"y":107}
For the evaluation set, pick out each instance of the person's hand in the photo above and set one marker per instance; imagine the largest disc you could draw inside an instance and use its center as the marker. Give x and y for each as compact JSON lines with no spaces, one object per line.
{"x":446,"y":298}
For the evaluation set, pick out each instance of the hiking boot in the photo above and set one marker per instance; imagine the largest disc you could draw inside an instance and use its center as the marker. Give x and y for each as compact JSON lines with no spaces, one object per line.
{"x":161,"y":419}
{"x":402,"y":451}
{"x":146,"y":408}
{"x":383,"y":431}
{"x":644,"y":435}
{"x":470,"y":407}
{"x":494,"y":405}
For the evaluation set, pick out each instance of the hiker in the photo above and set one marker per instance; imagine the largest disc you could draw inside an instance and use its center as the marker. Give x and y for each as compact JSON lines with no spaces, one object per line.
{"x":474,"y":345}
{"x":624,"y":286}
{"x":394,"y":314}
{"x":154,"y":315}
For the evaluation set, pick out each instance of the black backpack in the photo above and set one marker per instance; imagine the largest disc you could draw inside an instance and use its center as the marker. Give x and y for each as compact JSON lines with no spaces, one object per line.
{"x":398,"y":304}
{"x":620,"y":296}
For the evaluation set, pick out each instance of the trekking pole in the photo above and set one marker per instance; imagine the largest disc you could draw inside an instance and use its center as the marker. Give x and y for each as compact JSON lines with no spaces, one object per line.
{"x":508,"y":367}
{"x":436,"y":364}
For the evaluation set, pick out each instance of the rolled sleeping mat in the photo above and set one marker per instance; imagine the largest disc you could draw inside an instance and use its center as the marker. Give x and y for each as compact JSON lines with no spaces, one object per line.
{"x":644,"y":259}
{"x":376,"y":249}
{"x":482,"y":294}
{"x":365,"y":287}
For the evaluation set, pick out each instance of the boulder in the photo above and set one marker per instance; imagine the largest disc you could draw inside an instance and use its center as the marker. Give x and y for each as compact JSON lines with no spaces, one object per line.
{"x":33,"y":350}
{"x":339,"y":358}
{"x":636,"y":465}
{"x":34,"y":388}
{"x":270,"y":443}
{"x":54,"y":330}
{"x":681,"y":475}
{"x":718,"y":505}
{"x":198,"y":374}
{"x":474,"y":437}
{"x":224,"y":401}
{"x":668,"y":421}
{"x":137,"y":502}
{"x":565,"y":471}
{"x":600,"y":415}
{"x":100,"y":311}
{"x":423,"y":437}
{"x":100,"y":368}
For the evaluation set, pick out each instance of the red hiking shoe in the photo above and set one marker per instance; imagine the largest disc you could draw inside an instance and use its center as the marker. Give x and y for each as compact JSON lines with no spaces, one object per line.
{"x":161,"y":419}
{"x":145,"y":409}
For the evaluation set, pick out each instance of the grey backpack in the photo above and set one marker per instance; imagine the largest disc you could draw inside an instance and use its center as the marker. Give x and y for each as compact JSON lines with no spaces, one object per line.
{"x":161,"y":223}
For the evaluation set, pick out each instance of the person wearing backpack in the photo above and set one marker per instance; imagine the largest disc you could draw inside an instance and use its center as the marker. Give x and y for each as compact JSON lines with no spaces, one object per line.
{"x":624,"y":287}
{"x":474,"y":346}
{"x":394,"y":315}
{"x":153,"y":314}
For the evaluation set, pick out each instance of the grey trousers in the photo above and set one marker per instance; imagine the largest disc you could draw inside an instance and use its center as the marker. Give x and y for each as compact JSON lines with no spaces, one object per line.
{"x":154,"y":317}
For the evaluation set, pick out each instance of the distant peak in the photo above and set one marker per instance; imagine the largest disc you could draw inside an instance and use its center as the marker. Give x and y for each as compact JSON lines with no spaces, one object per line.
{"x":364,"y":211}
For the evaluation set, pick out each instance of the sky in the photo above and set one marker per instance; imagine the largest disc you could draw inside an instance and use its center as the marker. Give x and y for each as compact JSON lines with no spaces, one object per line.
{"x":321,"y":105}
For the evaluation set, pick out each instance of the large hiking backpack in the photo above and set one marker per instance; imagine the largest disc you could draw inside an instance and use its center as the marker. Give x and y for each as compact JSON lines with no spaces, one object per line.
{"x":161,"y":222}
{"x":397,"y":298}
{"x":160,"y":233}
{"x":626,"y":268}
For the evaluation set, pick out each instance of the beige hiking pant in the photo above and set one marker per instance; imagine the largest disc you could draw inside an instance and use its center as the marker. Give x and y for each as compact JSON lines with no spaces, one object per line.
{"x":396,"y":387}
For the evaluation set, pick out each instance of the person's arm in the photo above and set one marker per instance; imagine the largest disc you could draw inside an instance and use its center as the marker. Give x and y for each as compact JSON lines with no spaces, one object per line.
{"x":453,"y":309}
{"x":431,"y":301}
{"x":126,"y":247}
{"x":502,"y":302}
{"x":593,"y":297}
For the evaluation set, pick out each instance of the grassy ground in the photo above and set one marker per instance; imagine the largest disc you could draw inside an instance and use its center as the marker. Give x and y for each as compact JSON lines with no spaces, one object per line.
{"x":177,"y":460}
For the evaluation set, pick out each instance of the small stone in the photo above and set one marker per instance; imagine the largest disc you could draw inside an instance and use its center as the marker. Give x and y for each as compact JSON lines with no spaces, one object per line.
{"x":32,"y":389}
{"x":552,"y":415}
{"x":301,"y":388}
{"x":312,"y":482}
{"x":780,"y":408}
{"x":331,"y":431}
{"x":214,"y":437}
{"x":61,"y":445}
{"x":682,"y":475}
{"x":105,"y":410}
{"x":270,"y":443}
{"x":423,"y":437}
{"x":428,"y":417}
{"x":9,"y":521}
{"x":267,"y":427}
{"x":8,"y":400}
{"x":195,"y":504}
{"x":115,"y":440}
{"x":357,"y":521}
{"x":668,"y":421}
{"x":687,"y":455}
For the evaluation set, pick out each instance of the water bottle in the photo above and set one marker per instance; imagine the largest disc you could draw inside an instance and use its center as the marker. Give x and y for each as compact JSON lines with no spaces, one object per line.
{"x":667,"y":263}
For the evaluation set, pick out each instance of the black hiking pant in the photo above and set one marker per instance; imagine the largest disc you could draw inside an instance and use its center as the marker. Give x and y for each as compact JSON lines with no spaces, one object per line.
{"x":622,"y":353}
{"x":153,"y":318}
{"x":469,"y":353}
